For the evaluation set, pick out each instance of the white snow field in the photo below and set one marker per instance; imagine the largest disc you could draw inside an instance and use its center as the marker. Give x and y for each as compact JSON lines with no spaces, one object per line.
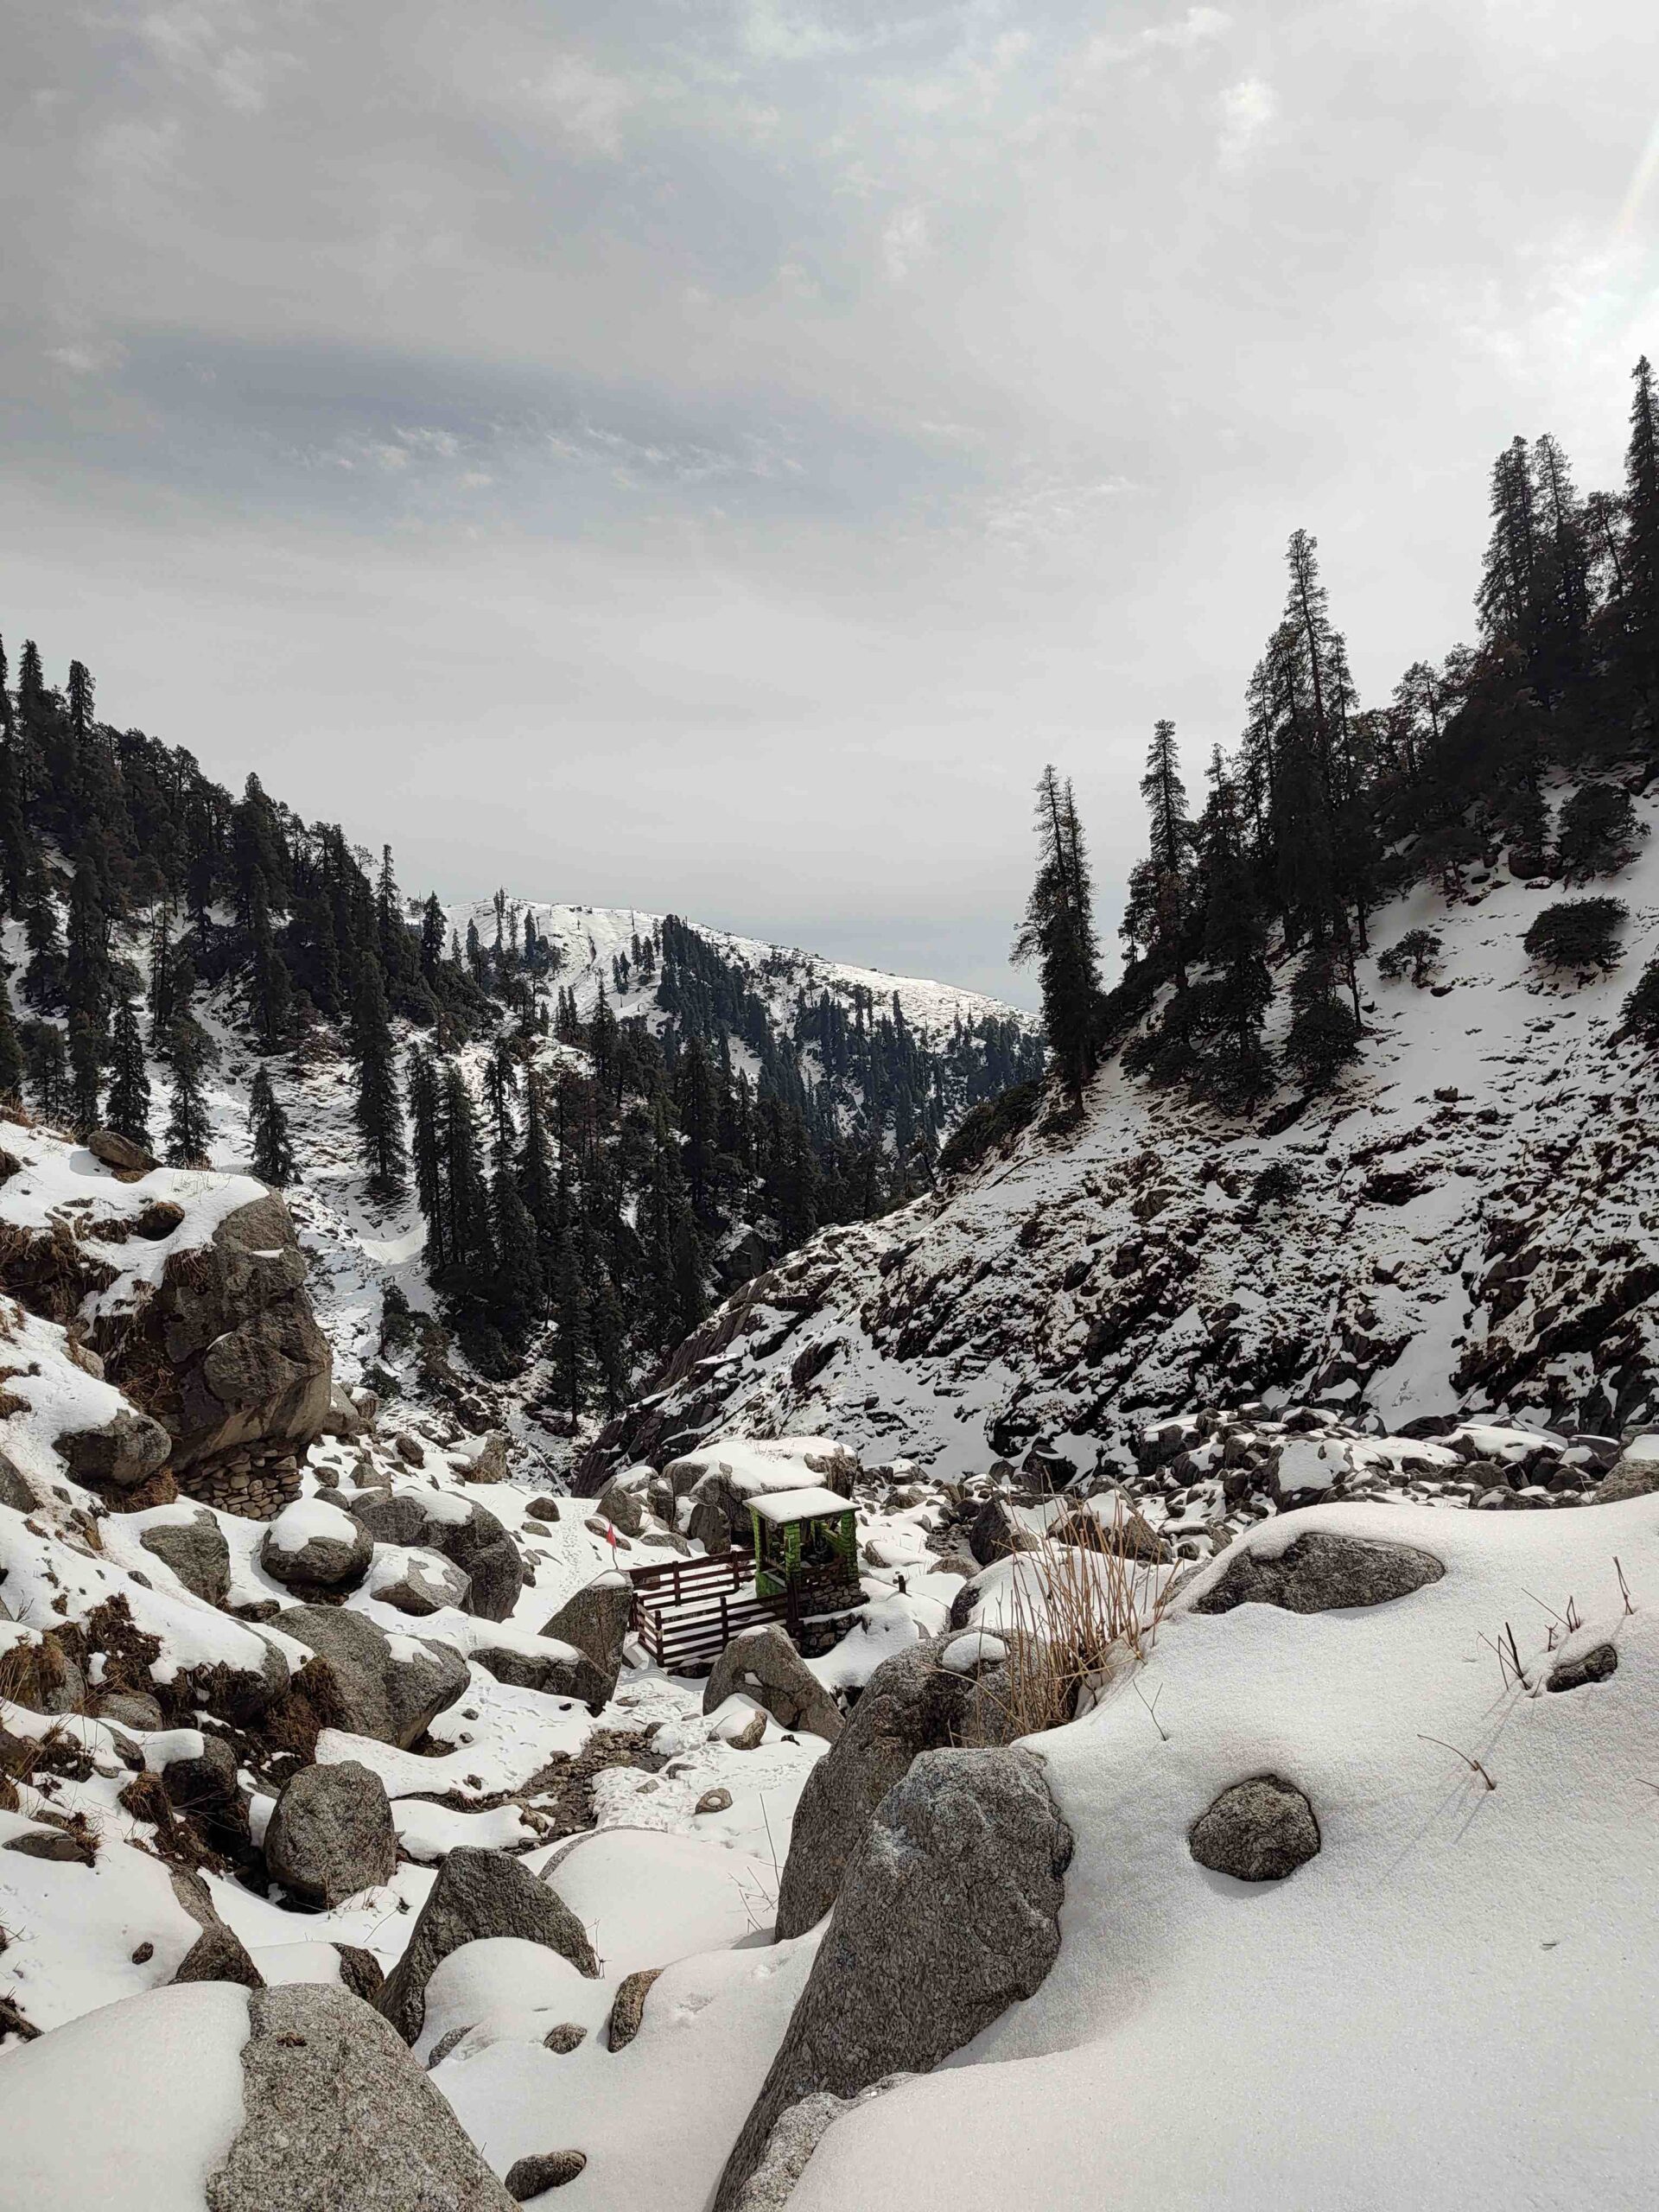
{"x":1452,"y":2006}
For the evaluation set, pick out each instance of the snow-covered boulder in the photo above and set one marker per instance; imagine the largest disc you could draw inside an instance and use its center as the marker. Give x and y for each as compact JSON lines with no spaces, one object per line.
{"x":330,"y":1833}
{"x":313,"y":1545}
{"x":390,"y":1687}
{"x":478,"y":1894}
{"x":595,"y":1619}
{"x":764,"y":1664}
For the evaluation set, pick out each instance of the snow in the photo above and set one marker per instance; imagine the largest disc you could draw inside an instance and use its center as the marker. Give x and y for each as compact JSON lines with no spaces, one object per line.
{"x":308,"y":1521}
{"x":1451,"y":2004}
{"x":122,"y":2092}
{"x":785,"y":1505}
{"x":647,"y":1898}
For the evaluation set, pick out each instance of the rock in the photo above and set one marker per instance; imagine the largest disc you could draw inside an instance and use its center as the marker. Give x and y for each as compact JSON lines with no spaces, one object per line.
{"x":202,"y":1778}
{"x":342,"y":1417}
{"x":556,"y":1670}
{"x":126,"y":1452}
{"x":949,"y":1914}
{"x":477,"y":1893}
{"x":196,"y":1551}
{"x":478,"y":1545}
{"x":528,"y":2178}
{"x":331,"y":1835}
{"x":1258,"y":1831}
{"x":336,"y":2113}
{"x":1593,"y":1665}
{"x":68,"y":1847}
{"x":360,"y":1972}
{"x":313,"y":1545}
{"x":489,"y":1461}
{"x":131,"y":1709}
{"x":596,"y":1621}
{"x":118,"y":1152}
{"x":16,"y":1492}
{"x":428,"y":1583}
{"x":621,"y":1508}
{"x":1320,"y":1574}
{"x":409,"y":1450}
{"x":992,"y":1532}
{"x":629,"y":2007}
{"x":912,"y":1704}
{"x":564,"y":2038}
{"x":795,"y":2137}
{"x":1109,"y":1521}
{"x":389,"y":1689}
{"x":217,"y":1954}
{"x":765,"y":1665}
{"x":1635,"y":1473}
{"x":543,"y":1508}
{"x":231,"y":1331}
{"x":714,"y":1801}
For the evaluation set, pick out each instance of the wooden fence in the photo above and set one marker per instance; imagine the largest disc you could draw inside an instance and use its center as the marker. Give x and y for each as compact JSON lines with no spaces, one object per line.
{"x":686,"y":1611}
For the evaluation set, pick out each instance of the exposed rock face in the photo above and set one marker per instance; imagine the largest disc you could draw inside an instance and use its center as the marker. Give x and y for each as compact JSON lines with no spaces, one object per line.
{"x":119,"y":1152}
{"x":337,"y":2113}
{"x":196,"y":1551}
{"x":477,"y":1893}
{"x":596,"y":1621}
{"x":912,"y":1704}
{"x":389,"y":1690}
{"x":228,"y":1352}
{"x":628,"y":2008}
{"x":1258,"y":1831}
{"x":1320,"y":1574}
{"x":313,"y":1545}
{"x":330,"y":1833}
{"x":429,"y":1583}
{"x":949,"y":1913}
{"x":765,"y":1665}
{"x":545,"y":2170}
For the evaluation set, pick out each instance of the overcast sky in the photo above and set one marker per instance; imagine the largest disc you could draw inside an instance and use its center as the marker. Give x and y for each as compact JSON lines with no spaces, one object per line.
{"x":708,"y":454}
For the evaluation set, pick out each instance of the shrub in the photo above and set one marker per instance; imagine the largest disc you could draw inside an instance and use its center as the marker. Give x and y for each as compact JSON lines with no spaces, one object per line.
{"x":1324,"y":1034}
{"x":1641,"y":1008}
{"x":1417,"y":952}
{"x":1597,"y":831}
{"x":1279,"y":1180}
{"x":1578,"y":933}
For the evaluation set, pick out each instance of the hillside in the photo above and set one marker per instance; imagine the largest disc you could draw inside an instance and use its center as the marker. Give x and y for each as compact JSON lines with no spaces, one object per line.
{"x":1467,"y":1224}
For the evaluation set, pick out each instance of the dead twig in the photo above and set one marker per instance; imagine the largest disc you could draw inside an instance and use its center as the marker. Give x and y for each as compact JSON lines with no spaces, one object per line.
{"x":1473,"y":1764}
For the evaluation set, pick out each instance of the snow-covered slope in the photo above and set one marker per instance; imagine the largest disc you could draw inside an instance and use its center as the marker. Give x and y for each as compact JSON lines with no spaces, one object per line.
{"x":587,"y":942}
{"x":1468,"y":1223}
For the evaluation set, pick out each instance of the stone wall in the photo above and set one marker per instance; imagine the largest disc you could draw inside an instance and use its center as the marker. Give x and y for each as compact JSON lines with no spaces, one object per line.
{"x":255,"y":1481}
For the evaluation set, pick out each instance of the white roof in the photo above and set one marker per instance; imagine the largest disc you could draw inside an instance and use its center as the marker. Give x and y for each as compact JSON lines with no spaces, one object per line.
{"x":799,"y":1504}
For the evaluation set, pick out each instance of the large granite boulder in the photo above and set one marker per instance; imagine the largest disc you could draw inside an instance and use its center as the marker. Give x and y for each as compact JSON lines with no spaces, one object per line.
{"x":313,"y":1545}
{"x":465,"y":1533}
{"x":330,"y":1833}
{"x":913,"y":1703}
{"x":1320,"y":1574}
{"x":478,"y":1894}
{"x":595,"y":1619}
{"x":949,"y":1914}
{"x":763,"y":1664}
{"x":190,"y":1540}
{"x":228,"y":1352}
{"x":390,"y":1687}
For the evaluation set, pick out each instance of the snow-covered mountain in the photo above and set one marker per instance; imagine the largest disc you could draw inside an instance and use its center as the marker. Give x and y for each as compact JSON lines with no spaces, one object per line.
{"x":1468,"y":1223}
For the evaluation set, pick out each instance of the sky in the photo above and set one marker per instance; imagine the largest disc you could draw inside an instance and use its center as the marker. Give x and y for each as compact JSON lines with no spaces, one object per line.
{"x":707,"y":456}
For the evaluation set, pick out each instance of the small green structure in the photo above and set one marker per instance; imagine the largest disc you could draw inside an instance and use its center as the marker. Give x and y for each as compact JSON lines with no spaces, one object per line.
{"x":806,"y":1545}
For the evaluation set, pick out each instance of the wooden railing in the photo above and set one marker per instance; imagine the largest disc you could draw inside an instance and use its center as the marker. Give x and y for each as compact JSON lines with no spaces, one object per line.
{"x":687,"y":1610}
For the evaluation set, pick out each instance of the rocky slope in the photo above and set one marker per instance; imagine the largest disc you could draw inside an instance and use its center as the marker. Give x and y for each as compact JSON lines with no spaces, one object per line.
{"x":1468,"y":1225}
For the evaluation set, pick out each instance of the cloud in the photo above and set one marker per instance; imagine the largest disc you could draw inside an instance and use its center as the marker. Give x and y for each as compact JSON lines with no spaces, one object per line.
{"x":1247,"y":111}
{"x":199,"y":45}
{"x":88,"y":358}
{"x":903,"y":242}
{"x":586,"y":104}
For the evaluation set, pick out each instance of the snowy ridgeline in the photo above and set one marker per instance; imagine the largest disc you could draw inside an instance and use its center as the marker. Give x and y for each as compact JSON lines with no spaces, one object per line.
{"x":1466,"y":1226}
{"x":1355,"y":1818}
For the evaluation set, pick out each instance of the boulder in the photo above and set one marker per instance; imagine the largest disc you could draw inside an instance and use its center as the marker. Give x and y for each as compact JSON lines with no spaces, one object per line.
{"x":194,"y":1548}
{"x":765,"y":1665}
{"x":949,"y":1914}
{"x":1109,"y":1521}
{"x":335,"y":2112}
{"x":1258,"y":1831}
{"x":313,"y":1545}
{"x":420,"y":1583}
{"x":1320,"y":1574}
{"x":544,"y":2170}
{"x":229,"y":1346}
{"x":119,"y":1152}
{"x":478,"y":1894}
{"x":342,"y":1416}
{"x":15,"y":1490}
{"x":623,"y":1507}
{"x":993,"y":1532}
{"x":628,"y":2008}
{"x":390,"y":1687}
{"x":218,"y":1954}
{"x":1635,"y":1473}
{"x":1592,"y":1666}
{"x":202,"y":1773}
{"x":796,"y":2136}
{"x":912,"y":1704}
{"x":475,"y":1541}
{"x":554,"y":1670}
{"x":122,"y":1453}
{"x":489,"y":1461}
{"x":596,"y":1620}
{"x":331,"y":1835}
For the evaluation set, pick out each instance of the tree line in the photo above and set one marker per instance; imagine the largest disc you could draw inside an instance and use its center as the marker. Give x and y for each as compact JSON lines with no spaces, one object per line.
{"x":1324,"y":809}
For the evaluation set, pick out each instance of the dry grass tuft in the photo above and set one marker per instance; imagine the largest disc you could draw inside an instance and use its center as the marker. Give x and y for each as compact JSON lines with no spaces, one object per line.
{"x":1074,"y":1615}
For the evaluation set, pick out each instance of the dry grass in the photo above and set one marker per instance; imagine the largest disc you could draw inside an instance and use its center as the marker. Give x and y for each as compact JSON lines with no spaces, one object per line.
{"x":1074,"y":1617}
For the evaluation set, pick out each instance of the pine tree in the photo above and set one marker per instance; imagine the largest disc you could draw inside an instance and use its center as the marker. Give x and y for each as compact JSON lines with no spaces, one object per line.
{"x":1638,"y":605}
{"x":466,"y":1197}
{"x":1160,"y":887}
{"x":379,"y":1109}
{"x":46,"y":1070}
{"x":126,"y":1111}
{"x":272,"y":996}
{"x":11,"y":1051}
{"x":519,"y":1294}
{"x":609,"y":1343}
{"x":571,"y":1350}
{"x":188,"y":1131}
{"x":1059,"y":934}
{"x":1323,"y":1033}
{"x":273,"y":1150}
{"x":432,"y":937}
{"x":426,"y":1145}
{"x":1233,"y":1068}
